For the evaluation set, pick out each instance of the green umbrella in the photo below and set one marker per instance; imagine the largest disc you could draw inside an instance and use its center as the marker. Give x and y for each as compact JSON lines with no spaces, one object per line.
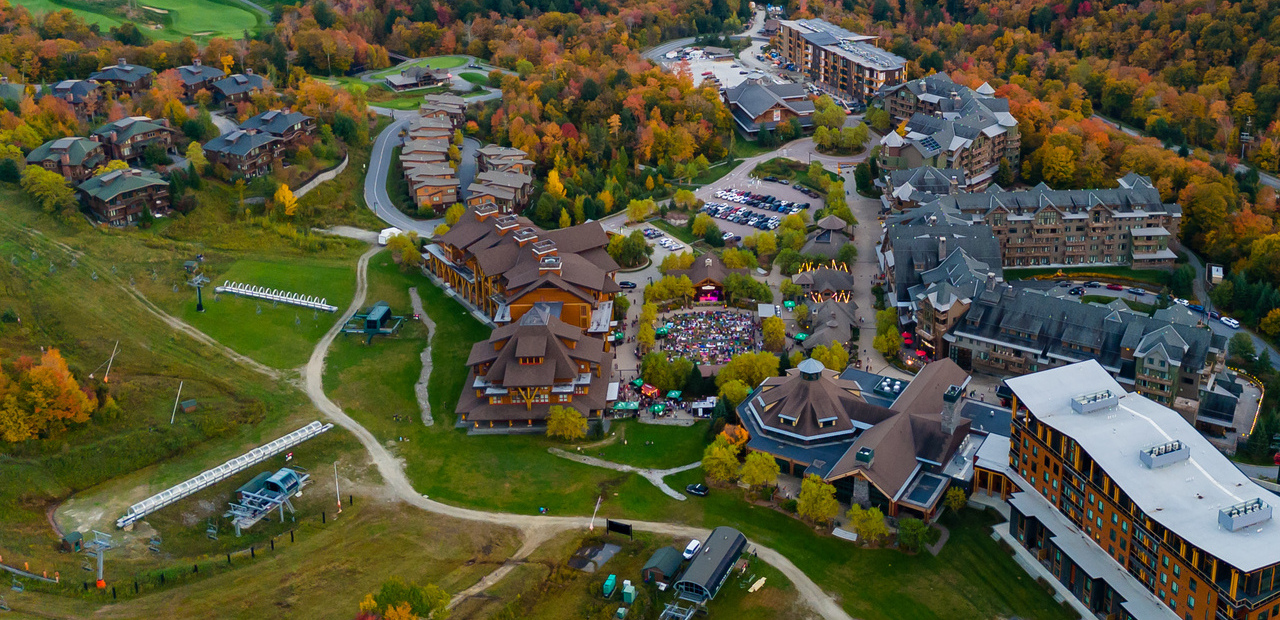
{"x":658,"y":408}
{"x":788,"y":304}
{"x":800,"y":337}
{"x":662,"y":331}
{"x":637,"y":383}
{"x":674,"y":394}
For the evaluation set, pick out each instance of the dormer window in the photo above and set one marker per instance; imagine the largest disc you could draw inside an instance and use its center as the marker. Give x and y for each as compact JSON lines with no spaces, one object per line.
{"x":530,"y":361}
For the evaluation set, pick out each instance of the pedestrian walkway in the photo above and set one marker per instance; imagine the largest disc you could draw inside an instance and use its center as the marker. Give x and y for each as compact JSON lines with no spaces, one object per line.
{"x":652,"y":475}
{"x":420,"y":388}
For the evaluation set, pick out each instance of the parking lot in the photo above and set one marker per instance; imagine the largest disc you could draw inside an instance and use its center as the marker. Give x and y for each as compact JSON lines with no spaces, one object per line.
{"x":744,"y":184}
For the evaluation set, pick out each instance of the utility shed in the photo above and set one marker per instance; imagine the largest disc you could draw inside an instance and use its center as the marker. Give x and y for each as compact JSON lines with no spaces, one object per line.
{"x":710,"y":567}
{"x":662,"y":566}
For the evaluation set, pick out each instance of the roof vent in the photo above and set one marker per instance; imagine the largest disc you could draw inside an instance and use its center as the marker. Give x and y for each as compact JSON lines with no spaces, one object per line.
{"x":1244,"y":514}
{"x":1096,"y":401}
{"x":864,"y":457}
{"x":1163,"y":454}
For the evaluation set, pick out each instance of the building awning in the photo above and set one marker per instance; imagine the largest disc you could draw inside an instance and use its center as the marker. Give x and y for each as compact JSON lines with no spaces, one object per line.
{"x":613,"y":391}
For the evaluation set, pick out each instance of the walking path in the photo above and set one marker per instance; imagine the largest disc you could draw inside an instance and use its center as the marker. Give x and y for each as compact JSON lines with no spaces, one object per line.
{"x":652,"y":475}
{"x":936,"y":548}
{"x":420,"y":388}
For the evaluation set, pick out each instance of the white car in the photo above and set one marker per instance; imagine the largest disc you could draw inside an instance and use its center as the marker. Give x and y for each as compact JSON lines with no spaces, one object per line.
{"x":692,"y":549}
{"x":1230,"y":322}
{"x":1181,"y":302}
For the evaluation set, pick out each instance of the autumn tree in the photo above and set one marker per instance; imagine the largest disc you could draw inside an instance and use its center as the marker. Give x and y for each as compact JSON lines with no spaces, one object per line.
{"x":404,"y":249}
{"x":454,"y":213}
{"x":566,"y":423}
{"x":775,"y":333}
{"x":760,"y":469}
{"x":720,"y":461}
{"x":565,"y":220}
{"x":817,"y":500}
{"x":701,"y":222}
{"x":733,"y":392}
{"x":735,"y":435}
{"x":640,"y":210}
{"x":110,"y":166}
{"x":195,"y":155}
{"x":43,"y":400}
{"x":285,"y":200}
{"x":749,"y":368}
{"x":429,"y":601}
{"x":1270,"y":325}
{"x":868,"y":523}
{"x":554,"y":186}
{"x":50,"y":191}
{"x":676,"y":262}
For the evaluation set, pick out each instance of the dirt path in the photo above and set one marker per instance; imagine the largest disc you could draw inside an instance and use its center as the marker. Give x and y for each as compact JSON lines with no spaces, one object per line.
{"x":420,"y":388}
{"x":652,"y":475}
{"x":534,"y":528}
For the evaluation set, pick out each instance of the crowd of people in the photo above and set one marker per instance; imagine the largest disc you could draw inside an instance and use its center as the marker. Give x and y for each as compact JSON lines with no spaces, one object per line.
{"x":710,"y":337}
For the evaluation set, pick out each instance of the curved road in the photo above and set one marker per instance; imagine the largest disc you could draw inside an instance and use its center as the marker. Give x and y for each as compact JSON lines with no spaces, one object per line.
{"x":375,"y":180}
{"x":533,"y":527}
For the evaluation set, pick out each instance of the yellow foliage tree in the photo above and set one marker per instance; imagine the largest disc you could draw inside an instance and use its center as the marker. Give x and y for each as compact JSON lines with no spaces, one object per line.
{"x":285,"y":200}
{"x":566,"y":423}
{"x":110,"y":166}
{"x":775,"y":333}
{"x":760,"y":469}
{"x":720,"y":460}
{"x":227,"y":63}
{"x":195,"y":155}
{"x":554,"y":186}
{"x":565,"y":219}
{"x":735,"y":435}
{"x":817,"y":501}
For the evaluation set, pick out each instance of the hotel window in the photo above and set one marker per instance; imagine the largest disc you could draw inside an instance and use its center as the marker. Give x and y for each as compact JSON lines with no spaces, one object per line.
{"x":1164,"y":561}
{"x":1164,"y":578}
{"x":1191,"y":602}
{"x":1175,"y":587}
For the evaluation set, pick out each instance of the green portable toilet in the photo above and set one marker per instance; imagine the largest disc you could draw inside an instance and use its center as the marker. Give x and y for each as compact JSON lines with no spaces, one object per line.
{"x":609,"y":584}
{"x":621,"y":613}
{"x":628,"y":594}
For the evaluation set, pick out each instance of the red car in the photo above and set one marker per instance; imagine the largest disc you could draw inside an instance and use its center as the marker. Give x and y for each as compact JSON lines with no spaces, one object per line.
{"x":1114,"y":287}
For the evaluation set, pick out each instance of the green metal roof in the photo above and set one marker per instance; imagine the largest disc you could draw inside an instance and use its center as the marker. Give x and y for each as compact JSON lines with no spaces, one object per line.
{"x":129,"y":127}
{"x":106,"y":187}
{"x":76,"y":149}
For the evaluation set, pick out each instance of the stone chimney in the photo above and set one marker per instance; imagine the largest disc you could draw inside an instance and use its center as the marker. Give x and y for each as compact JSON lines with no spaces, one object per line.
{"x":195,"y":62}
{"x":120,"y":62}
{"x":991,"y":282}
{"x":942,"y":248}
{"x":951,"y":409}
{"x":248,"y":71}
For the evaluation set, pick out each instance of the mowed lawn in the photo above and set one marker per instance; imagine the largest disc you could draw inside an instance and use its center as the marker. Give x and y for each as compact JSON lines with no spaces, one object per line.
{"x":198,"y":19}
{"x":280,"y":336}
{"x":654,"y":446}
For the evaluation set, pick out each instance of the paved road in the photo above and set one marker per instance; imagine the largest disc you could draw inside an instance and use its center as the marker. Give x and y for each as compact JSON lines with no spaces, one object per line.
{"x":224,"y":124}
{"x":375,"y":180}
{"x":1264,"y":178}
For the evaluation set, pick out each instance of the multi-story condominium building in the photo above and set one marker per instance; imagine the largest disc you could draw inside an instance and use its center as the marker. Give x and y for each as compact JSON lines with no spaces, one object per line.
{"x":950,"y":126}
{"x":1135,"y":513}
{"x":128,"y":137}
{"x":757,"y":106}
{"x":238,"y":87}
{"x":909,"y":251}
{"x":529,"y":366}
{"x":83,"y":95}
{"x":245,"y":153}
{"x":502,"y":264}
{"x":1129,"y":225}
{"x":128,"y":79}
{"x":914,"y":187}
{"x":494,"y":158}
{"x":432,"y":185}
{"x":840,"y":61}
{"x":1012,"y":331}
{"x":430,"y":128}
{"x":287,"y":125}
{"x":509,"y":190}
{"x":451,"y":107}
{"x":197,"y":77}
{"x":74,"y":158}
{"x":119,"y":198}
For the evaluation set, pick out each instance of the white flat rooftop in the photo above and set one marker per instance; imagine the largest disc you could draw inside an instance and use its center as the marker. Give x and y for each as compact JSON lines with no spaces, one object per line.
{"x":1185,"y":496}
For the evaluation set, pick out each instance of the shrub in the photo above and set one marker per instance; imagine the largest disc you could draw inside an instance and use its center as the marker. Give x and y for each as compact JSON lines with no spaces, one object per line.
{"x":790,"y":505}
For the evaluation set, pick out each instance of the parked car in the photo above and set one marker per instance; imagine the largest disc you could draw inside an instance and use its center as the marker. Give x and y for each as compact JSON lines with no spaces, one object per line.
{"x":1091,"y":285}
{"x":1196,"y":308}
{"x":1065,"y":283}
{"x":1230,"y":322}
{"x":1077,"y":291}
{"x":1137,"y":291}
{"x":1213,"y":314}
{"x":1181,"y":302}
{"x":627,"y":284}
{"x":1114,"y":287}
{"x":697,"y":489}
{"x":692,"y":549}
